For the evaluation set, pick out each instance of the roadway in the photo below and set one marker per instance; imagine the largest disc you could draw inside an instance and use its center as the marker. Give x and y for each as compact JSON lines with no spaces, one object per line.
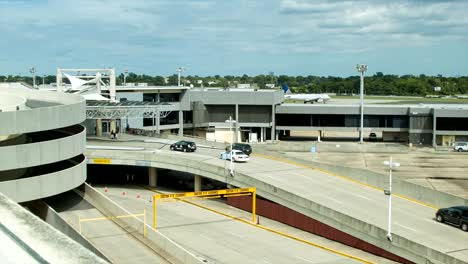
{"x":105,"y":235}
{"x":222,"y":234}
{"x":411,"y":220}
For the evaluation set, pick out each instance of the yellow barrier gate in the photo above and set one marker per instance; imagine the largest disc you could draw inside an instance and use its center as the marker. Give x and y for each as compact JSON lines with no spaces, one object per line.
{"x":207,"y":195}
{"x":115,"y":217}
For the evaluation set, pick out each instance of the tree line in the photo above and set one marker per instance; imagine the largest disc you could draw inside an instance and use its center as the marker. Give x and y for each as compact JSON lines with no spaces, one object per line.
{"x":377,"y":84}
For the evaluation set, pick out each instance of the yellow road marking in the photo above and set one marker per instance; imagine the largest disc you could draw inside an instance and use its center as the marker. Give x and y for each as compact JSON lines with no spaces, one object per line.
{"x":271,"y":230}
{"x":285,"y":160}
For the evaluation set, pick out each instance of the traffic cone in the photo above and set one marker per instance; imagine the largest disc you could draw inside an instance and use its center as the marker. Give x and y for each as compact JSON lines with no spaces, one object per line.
{"x":258,"y":220}
{"x":123,"y":193}
{"x":105,"y":189}
{"x":138,"y":196}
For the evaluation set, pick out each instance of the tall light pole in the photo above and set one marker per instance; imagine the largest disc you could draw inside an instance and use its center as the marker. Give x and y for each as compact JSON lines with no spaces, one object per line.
{"x":43,"y":79}
{"x":179,"y":70}
{"x":231,"y":165}
{"x":125,"y":77}
{"x":388,"y":192}
{"x":32,"y":70}
{"x":361,"y":68}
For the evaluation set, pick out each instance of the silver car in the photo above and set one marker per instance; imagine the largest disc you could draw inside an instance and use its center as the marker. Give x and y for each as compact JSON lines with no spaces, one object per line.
{"x":237,"y":156}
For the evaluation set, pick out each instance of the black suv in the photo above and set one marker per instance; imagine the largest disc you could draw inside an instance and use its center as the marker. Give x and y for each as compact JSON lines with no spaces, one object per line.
{"x":246,"y":148}
{"x":457,"y":215}
{"x":184,"y":146}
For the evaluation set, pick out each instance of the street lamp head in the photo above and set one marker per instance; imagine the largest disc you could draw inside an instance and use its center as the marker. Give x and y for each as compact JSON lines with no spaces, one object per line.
{"x":361,"y":68}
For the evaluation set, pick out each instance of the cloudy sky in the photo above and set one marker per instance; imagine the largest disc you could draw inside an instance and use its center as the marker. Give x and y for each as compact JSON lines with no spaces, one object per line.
{"x":208,"y":37}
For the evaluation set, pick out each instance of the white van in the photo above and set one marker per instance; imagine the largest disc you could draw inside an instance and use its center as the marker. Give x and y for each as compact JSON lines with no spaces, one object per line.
{"x":461,"y":146}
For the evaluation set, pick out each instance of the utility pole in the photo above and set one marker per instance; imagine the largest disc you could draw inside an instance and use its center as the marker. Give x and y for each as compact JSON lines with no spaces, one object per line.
{"x":361,"y":68}
{"x":179,"y":70}
{"x":32,"y":70}
{"x":125,"y":77}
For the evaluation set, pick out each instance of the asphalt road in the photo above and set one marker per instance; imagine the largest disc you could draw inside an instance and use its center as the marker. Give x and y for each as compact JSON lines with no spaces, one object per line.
{"x":410,"y":220}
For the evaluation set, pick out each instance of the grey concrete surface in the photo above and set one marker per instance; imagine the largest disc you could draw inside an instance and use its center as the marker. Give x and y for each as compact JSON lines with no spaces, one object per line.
{"x":70,"y":112}
{"x":353,"y":208}
{"x":165,"y":248}
{"x":116,"y":243}
{"x":51,"y":217}
{"x":37,"y":187}
{"x":442,"y":170}
{"x":219,"y":239}
{"x":27,"y":239}
{"x":50,"y":151}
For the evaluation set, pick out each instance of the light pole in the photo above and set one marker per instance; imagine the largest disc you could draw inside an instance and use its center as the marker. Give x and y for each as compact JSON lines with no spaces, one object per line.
{"x":179,"y":70}
{"x":361,"y":68}
{"x":32,"y":70}
{"x":388,"y":192}
{"x":43,"y":79}
{"x":231,"y":165}
{"x":125,"y":77}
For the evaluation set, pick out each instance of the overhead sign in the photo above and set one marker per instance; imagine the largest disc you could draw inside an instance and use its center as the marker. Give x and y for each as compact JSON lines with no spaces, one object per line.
{"x":204,"y":193}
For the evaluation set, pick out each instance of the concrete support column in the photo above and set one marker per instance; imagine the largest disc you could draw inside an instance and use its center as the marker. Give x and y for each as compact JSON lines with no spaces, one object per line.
{"x":236,"y":138}
{"x":181,"y":123}
{"x":153,"y":177}
{"x":319,"y":135}
{"x":434,"y":123}
{"x":98,"y":127}
{"x":262,"y":131}
{"x":197,"y":183}
{"x":273,"y":124}
{"x":113,"y":126}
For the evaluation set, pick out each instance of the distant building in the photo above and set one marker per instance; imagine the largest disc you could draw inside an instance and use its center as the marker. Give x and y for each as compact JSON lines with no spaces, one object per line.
{"x":243,"y":85}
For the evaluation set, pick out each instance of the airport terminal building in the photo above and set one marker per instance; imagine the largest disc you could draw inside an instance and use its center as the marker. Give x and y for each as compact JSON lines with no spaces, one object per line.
{"x":262,"y":115}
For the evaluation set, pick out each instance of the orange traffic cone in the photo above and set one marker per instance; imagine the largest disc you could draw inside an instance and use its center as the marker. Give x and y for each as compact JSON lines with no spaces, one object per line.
{"x":105,"y":189}
{"x":123,"y":193}
{"x":138,"y":196}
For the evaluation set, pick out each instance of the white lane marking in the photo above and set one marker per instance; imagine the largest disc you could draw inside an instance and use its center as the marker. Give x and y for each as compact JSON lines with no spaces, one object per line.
{"x":206,"y":237}
{"x":308,"y":260}
{"x":409,"y":228}
{"x":336,"y":201}
{"x":266,"y":261}
{"x":237,"y":235}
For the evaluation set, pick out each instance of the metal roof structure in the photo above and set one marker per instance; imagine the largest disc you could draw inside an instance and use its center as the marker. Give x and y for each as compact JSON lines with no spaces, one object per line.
{"x":127,"y":109}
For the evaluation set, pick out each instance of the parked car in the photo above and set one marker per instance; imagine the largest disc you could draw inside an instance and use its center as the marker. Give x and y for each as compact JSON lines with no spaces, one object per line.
{"x":237,"y":156}
{"x":184,"y":146}
{"x":457,"y":215}
{"x":372,"y":137}
{"x":461,"y":146}
{"x":246,"y":148}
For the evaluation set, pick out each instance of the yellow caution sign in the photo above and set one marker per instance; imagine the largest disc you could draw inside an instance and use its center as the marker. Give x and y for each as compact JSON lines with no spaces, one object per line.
{"x":101,"y":161}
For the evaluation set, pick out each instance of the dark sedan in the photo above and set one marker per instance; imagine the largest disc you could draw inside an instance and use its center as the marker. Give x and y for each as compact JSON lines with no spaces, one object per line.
{"x":184,"y":146}
{"x":457,"y":215}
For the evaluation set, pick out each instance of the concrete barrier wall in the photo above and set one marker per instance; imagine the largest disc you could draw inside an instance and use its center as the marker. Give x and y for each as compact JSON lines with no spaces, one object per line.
{"x":33,"y":188}
{"x":167,"y":248}
{"x":38,"y":239}
{"x":372,"y":234}
{"x":34,"y":154}
{"x":50,"y":216}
